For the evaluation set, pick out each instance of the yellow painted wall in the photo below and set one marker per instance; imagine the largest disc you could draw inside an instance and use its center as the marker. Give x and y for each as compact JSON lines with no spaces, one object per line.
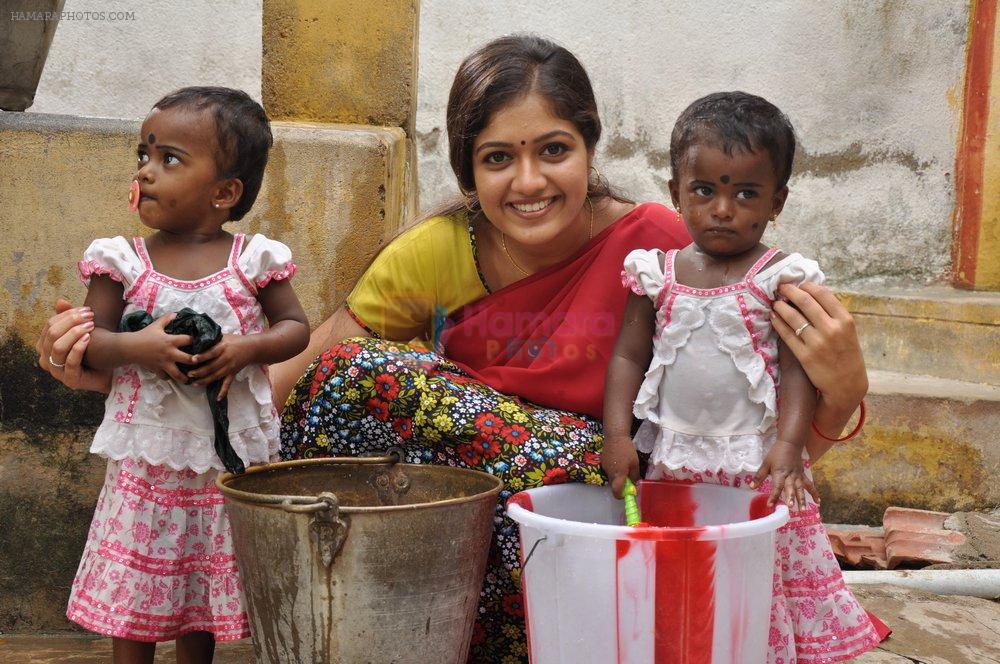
{"x":988,"y":258}
{"x":341,"y":61}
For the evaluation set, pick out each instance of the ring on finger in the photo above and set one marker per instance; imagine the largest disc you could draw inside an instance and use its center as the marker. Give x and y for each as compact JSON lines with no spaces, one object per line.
{"x":56,"y":364}
{"x":801,"y":328}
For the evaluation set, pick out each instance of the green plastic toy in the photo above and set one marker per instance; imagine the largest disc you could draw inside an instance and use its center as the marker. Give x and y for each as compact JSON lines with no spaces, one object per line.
{"x":632,"y":516}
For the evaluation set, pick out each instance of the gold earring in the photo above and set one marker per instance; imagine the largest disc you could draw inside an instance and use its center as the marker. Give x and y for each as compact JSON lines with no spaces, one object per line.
{"x":774,"y":221}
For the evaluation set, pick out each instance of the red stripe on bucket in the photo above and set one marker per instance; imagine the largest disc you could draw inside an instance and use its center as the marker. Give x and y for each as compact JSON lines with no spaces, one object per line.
{"x":524,"y":500}
{"x":684,"y":599}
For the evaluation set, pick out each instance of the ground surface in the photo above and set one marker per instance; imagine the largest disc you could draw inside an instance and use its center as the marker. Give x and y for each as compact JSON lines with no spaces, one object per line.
{"x":927,"y":629}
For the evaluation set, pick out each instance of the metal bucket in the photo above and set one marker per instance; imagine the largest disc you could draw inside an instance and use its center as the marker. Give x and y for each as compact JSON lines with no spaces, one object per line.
{"x":361,"y":559}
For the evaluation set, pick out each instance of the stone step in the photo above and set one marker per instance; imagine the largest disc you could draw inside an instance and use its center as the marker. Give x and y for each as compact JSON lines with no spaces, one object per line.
{"x":931,"y":331}
{"x":930,"y":443}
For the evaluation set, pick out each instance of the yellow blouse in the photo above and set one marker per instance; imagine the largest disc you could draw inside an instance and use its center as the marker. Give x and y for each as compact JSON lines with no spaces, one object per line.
{"x":431,"y":264}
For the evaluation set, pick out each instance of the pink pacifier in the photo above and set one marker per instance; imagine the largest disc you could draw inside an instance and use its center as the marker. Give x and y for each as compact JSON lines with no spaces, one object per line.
{"x":133,"y":196}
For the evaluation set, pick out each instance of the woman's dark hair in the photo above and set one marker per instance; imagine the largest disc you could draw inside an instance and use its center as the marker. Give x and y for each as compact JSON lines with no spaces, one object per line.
{"x":505,"y":70}
{"x":732,"y":120}
{"x":243,"y":133}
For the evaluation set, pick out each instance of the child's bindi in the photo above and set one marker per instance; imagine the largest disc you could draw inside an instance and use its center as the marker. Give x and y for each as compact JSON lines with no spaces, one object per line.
{"x":151,"y":139}
{"x":523,"y":143}
{"x":725,"y":179}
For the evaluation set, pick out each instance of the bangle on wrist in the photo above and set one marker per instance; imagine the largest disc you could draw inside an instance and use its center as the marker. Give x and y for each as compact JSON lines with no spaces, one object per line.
{"x":854,"y":432}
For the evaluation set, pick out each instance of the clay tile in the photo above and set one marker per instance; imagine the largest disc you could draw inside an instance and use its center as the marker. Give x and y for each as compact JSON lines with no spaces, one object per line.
{"x":917,"y":537}
{"x":905,"y":518}
{"x":860,"y":546}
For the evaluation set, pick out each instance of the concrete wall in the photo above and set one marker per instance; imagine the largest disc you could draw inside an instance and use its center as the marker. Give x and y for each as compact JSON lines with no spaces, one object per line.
{"x":119,"y":68}
{"x":874,"y":90}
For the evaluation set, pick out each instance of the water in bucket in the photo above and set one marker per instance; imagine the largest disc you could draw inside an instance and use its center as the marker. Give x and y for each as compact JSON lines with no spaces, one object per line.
{"x":694,"y":587}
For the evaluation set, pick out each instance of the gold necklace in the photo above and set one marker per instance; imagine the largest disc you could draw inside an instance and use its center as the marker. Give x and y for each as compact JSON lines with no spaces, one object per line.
{"x":503,"y":240}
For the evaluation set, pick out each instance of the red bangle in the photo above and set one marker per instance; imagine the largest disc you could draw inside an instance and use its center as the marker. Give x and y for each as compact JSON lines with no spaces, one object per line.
{"x":854,"y":432}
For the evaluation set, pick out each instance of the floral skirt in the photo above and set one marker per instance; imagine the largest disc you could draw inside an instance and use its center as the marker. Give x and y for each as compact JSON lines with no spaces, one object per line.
{"x":364,"y":395}
{"x":815,"y":618}
{"x":159,"y":559}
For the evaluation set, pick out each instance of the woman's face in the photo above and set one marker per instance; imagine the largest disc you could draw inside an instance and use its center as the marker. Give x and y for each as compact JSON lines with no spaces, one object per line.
{"x":530,"y":169}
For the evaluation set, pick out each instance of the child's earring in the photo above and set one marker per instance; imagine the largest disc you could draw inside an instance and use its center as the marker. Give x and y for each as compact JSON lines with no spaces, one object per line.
{"x":216,"y":205}
{"x":134,"y":193}
{"x":774,"y":221}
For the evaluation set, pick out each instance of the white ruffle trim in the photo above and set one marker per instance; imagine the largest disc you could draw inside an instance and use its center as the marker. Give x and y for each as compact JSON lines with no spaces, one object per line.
{"x":731,"y":334}
{"x":643,"y":273}
{"x":687,"y":314}
{"x":154,"y":390}
{"x":792,"y":269}
{"x":178,"y":449}
{"x":675,"y":450}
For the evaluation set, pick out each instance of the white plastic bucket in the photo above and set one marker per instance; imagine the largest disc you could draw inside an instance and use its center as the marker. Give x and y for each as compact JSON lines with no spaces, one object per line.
{"x":694,"y":587}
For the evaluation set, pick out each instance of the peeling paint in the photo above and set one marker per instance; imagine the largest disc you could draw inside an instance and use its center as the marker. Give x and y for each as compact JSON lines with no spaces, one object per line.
{"x":852,"y":158}
{"x":623,"y":147}
{"x":428,"y":140}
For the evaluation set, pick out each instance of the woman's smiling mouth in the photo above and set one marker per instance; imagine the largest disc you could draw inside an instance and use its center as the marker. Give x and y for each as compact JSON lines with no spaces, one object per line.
{"x":533,"y":208}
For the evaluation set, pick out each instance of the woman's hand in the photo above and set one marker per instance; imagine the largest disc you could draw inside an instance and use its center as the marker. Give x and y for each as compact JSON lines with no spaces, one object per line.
{"x":828,"y":347}
{"x":620,"y":460}
{"x":61,"y":346}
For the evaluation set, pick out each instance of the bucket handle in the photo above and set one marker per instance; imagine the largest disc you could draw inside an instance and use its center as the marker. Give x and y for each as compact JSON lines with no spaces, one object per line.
{"x":327,"y":529}
{"x":534,"y":546}
{"x":553,"y":539}
{"x":309,"y":504}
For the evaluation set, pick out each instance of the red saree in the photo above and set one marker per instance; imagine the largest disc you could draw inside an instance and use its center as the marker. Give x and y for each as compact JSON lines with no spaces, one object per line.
{"x":548,"y":338}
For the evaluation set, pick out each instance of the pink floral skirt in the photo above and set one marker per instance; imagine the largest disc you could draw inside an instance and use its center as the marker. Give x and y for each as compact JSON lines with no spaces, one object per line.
{"x":159,"y":559}
{"x":815,"y":618}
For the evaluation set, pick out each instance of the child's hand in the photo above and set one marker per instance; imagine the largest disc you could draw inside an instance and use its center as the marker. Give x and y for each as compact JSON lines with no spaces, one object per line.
{"x":619,"y":460}
{"x":788,"y":479}
{"x":222,"y":361}
{"x":153,"y":348}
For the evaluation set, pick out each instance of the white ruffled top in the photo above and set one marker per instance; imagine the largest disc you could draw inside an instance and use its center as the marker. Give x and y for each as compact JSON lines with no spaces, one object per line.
{"x":709,"y":398}
{"x":164,"y":422}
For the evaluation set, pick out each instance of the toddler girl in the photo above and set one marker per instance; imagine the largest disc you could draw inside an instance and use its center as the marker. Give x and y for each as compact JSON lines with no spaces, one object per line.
{"x":700,"y":320}
{"x":158,"y":563}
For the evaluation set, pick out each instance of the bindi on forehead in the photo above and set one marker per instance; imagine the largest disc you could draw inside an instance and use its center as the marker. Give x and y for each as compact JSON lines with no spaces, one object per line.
{"x":725,"y":179}
{"x":151,"y":139}
{"x":524,"y":142}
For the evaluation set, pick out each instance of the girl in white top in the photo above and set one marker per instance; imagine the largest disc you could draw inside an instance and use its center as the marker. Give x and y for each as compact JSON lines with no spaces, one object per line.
{"x":697,"y":360}
{"x":158,"y":563}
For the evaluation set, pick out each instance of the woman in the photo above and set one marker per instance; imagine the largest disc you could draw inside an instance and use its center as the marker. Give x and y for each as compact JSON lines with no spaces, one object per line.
{"x":517,"y":289}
